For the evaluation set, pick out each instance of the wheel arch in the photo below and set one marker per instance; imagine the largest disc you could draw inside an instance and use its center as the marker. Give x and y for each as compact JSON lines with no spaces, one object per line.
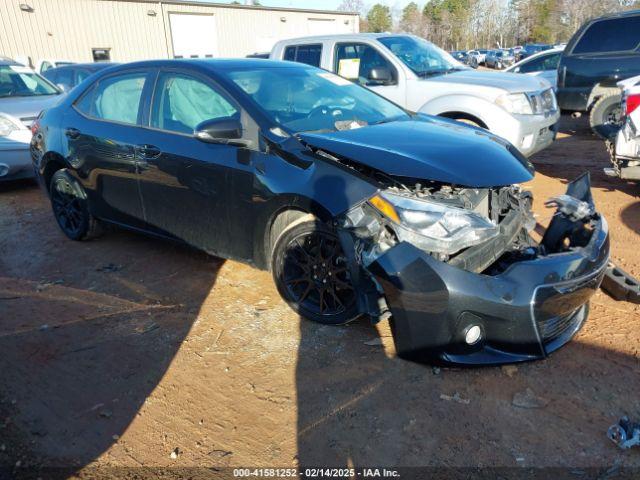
{"x":50,"y":164}
{"x":284,"y":211}
{"x":457,"y":115}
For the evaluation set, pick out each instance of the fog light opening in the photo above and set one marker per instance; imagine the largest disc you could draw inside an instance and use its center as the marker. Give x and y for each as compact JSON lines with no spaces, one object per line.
{"x":473,"y":334}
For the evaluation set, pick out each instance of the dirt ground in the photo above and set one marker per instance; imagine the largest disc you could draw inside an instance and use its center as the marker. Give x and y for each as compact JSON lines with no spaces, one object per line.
{"x":128,"y":351}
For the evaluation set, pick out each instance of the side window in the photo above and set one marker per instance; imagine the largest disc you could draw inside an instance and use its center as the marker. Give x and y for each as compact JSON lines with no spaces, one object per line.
{"x":115,"y":98}
{"x":182,"y":102}
{"x":81,"y":75}
{"x":356,"y":60}
{"x":83,"y":104}
{"x":535,"y":65}
{"x":308,"y":54}
{"x":51,"y":75}
{"x":551,"y":61}
{"x":614,"y":35}
{"x":290,"y":54}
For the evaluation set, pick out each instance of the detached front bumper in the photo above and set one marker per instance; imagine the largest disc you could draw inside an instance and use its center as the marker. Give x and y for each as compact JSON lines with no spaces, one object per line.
{"x":528,"y":311}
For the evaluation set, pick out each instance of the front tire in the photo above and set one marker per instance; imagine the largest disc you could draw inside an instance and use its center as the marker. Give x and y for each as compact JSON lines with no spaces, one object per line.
{"x":70,"y":208}
{"x":605,"y":117}
{"x":311,"y":274}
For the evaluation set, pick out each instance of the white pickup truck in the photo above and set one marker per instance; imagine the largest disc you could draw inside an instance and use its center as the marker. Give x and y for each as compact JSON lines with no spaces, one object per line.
{"x":421,"y":77}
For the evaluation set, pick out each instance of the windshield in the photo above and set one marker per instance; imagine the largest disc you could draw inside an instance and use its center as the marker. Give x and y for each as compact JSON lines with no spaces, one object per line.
{"x":19,"y":81}
{"x":310,"y":99}
{"x":424,"y":58}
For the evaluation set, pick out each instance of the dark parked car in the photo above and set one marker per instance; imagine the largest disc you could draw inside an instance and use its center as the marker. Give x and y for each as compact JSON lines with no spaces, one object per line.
{"x":600,"y":54}
{"x":356,"y":206}
{"x":460,"y":55}
{"x":531,"y":49}
{"x":499,"y":59}
{"x":71,"y":75}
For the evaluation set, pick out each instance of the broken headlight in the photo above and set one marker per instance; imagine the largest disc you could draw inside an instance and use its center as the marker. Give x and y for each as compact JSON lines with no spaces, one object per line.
{"x":432,"y":226}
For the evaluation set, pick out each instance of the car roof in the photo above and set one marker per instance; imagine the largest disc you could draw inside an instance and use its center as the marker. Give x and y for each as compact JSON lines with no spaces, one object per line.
{"x":85,"y":66}
{"x":344,"y":36}
{"x":551,"y":51}
{"x":215,"y":64}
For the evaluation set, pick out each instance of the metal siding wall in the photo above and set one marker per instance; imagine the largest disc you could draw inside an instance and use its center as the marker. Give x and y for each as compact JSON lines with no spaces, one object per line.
{"x":69,"y":29}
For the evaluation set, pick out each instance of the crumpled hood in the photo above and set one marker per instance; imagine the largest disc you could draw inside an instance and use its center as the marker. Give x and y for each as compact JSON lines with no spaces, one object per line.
{"x":510,"y":82}
{"x":28,"y":107}
{"x":430,"y":149}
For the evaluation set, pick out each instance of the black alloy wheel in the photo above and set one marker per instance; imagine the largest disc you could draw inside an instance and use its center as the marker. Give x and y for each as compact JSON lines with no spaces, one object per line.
{"x":311,"y":274}
{"x":70,"y":209}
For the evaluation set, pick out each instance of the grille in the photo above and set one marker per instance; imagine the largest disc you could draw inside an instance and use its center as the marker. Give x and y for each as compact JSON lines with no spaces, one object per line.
{"x":553,"y":327}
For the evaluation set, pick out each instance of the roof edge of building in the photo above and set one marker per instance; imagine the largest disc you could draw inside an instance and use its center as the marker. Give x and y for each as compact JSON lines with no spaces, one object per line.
{"x":200,"y":3}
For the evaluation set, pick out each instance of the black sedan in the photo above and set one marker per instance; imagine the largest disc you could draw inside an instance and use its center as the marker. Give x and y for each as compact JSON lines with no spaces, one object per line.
{"x":69,"y":76}
{"x":357,"y":206}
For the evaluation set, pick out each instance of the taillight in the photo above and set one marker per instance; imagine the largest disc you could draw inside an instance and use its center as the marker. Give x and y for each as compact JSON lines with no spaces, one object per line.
{"x":632,"y":102}
{"x":35,"y":126}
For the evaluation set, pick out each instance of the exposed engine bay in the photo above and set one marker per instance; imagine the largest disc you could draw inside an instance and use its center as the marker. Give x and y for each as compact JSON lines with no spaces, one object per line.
{"x":481,"y":230}
{"x":482,"y":224}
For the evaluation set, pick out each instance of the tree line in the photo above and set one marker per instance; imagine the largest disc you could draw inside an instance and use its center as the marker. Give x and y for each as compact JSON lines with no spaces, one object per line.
{"x":466,"y":24}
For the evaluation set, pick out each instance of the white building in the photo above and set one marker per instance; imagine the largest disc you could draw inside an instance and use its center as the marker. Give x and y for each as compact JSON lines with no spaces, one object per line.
{"x":127,"y":30}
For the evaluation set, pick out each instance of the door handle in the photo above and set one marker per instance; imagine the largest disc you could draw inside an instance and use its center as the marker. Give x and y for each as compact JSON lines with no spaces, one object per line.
{"x":72,"y":132}
{"x":147,"y":152}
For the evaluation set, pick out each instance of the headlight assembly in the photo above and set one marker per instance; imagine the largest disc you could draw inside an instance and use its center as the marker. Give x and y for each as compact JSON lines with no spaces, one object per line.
{"x":8,"y":125}
{"x":517,"y":103}
{"x":432,"y":226}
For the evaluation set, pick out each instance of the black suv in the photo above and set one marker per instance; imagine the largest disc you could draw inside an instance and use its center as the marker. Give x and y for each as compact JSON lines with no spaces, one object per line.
{"x":602,"y":52}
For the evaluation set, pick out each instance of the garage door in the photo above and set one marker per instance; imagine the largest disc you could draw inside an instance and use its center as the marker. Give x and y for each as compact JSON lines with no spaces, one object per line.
{"x":193,"y":36}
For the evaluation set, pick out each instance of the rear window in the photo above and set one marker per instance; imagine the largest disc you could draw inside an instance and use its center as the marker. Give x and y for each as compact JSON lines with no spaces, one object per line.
{"x":307,"y":54}
{"x":615,"y":35}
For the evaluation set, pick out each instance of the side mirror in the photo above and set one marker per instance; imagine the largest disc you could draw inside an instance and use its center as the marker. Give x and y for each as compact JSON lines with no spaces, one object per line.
{"x":380,"y":76}
{"x":227,"y":130}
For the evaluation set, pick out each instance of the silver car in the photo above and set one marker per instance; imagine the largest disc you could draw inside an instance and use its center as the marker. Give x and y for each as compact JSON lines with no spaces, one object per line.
{"x":23,"y":95}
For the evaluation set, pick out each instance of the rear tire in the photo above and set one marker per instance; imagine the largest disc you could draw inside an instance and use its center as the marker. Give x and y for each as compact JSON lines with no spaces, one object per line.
{"x":605,"y":117}
{"x":70,"y":207}
{"x":311,"y":274}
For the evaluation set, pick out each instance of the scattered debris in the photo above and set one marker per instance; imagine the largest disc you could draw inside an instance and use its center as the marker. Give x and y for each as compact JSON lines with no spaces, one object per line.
{"x":374,"y":342}
{"x":621,"y":285}
{"x":509,"y":370}
{"x":44,"y":327}
{"x":528,"y":399}
{"x":116,"y":437}
{"x":109,"y":267}
{"x":174,"y":453}
{"x":436,"y":370}
{"x":456,"y":398}
{"x":106,"y":413}
{"x":625,"y":434}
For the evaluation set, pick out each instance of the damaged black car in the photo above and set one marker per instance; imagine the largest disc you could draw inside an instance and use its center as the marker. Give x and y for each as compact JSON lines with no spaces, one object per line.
{"x":357,"y":206}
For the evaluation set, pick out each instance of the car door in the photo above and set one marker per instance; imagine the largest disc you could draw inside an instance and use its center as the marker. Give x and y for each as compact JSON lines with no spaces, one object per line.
{"x":188,"y":187}
{"x":356,"y":61}
{"x":101,"y":131}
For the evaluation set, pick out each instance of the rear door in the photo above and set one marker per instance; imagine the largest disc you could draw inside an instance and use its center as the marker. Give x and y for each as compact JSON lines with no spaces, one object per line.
{"x":102,"y":131}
